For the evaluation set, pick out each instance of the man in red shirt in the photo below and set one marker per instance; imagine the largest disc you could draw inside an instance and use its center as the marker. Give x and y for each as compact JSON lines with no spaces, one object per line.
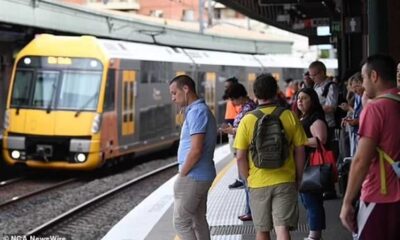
{"x":379,"y":211}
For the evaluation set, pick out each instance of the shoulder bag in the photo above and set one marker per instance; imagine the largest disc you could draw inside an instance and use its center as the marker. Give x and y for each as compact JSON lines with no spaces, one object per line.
{"x":318,"y":171}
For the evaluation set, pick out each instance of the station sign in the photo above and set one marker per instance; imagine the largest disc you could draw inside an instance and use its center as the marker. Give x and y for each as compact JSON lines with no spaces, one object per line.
{"x":311,"y":23}
{"x":336,"y":27}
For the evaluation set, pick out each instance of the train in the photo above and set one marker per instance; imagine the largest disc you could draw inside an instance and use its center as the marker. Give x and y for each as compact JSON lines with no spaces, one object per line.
{"x":78,"y":102}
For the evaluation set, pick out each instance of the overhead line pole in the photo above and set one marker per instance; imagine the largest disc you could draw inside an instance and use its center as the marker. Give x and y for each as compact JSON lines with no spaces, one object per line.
{"x":201,"y":11}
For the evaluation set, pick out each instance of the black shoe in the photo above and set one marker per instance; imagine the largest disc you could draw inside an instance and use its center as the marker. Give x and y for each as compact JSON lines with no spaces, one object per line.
{"x":245,"y":217}
{"x":236,"y":185}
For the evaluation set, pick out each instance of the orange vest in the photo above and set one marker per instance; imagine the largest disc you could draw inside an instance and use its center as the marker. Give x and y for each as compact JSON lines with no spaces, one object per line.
{"x":231,"y":111}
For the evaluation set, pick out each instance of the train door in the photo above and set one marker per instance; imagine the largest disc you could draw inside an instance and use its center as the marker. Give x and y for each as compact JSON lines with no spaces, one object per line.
{"x":109,"y":124}
{"x":180,"y":69}
{"x":251,"y":77}
{"x":277,"y":74}
{"x":128,"y":102}
{"x":210,"y":81}
{"x":127,"y":113}
{"x":206,"y":86}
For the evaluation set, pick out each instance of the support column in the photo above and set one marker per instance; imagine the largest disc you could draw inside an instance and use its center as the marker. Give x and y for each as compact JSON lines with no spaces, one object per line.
{"x":351,"y":43}
{"x":377,"y":27}
{"x":393,"y":31}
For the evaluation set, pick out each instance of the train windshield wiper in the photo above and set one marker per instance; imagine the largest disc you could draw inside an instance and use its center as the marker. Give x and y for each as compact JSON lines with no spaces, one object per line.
{"x":19,"y":106}
{"x":85,"y":104}
{"x":48,"y":109}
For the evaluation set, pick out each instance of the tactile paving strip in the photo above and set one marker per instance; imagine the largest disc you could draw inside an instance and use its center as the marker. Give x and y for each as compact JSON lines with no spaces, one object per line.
{"x":246,"y":229}
{"x":224,"y":207}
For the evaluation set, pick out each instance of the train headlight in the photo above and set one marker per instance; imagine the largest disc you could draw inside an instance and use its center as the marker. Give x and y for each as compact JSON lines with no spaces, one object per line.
{"x":15,"y":154}
{"x":96,"y":124}
{"x":94,"y":63}
{"x":80,"y":157}
{"x":27,"y":61}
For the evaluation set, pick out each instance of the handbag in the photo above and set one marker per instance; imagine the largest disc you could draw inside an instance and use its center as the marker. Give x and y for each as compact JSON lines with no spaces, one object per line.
{"x":323,"y":156}
{"x":316,"y":178}
{"x":317,"y":174}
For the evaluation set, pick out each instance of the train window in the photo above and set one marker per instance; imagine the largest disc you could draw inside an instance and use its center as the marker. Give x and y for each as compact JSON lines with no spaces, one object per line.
{"x":153,"y":72}
{"x":109,"y":98}
{"x":79,"y":90}
{"x":154,"y":76}
{"x":144,"y":76}
{"x":45,"y":89}
{"x":22,"y":85}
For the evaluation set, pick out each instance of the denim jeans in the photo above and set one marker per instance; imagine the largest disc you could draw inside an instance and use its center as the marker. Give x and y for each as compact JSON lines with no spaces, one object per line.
{"x":314,"y":204}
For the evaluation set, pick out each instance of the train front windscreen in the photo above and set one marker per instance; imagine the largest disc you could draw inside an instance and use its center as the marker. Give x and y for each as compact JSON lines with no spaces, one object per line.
{"x":57,"y":83}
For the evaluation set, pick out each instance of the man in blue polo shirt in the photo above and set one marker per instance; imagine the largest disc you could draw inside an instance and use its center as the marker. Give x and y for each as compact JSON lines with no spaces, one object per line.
{"x":195,"y":158}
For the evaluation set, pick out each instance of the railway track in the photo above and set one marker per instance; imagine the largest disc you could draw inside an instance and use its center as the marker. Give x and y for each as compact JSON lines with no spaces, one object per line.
{"x":17,"y":189}
{"x":98,"y":207}
{"x":11,"y":181}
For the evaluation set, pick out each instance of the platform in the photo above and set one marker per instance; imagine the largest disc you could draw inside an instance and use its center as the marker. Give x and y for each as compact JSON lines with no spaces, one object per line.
{"x":224,"y":207}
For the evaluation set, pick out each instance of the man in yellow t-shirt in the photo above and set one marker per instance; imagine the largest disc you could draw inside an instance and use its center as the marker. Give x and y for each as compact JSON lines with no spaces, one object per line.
{"x":273,"y":192}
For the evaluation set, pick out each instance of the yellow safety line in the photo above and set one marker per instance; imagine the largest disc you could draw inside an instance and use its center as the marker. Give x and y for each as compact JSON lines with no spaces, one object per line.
{"x":218,"y":179}
{"x":222,"y":173}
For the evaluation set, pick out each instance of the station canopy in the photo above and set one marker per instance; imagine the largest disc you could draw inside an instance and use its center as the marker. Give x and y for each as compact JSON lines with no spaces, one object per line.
{"x":297,"y":16}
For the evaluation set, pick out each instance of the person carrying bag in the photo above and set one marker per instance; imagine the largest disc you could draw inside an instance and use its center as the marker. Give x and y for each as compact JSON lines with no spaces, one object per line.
{"x":320,"y":171}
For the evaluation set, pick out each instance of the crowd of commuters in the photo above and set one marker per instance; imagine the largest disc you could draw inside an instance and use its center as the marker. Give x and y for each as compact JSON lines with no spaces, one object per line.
{"x":373,"y":110}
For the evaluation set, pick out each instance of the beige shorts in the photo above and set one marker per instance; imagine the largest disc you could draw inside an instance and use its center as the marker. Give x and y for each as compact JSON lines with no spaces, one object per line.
{"x":274,"y":206}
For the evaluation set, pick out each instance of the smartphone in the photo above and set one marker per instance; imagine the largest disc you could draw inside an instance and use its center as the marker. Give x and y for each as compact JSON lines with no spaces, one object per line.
{"x":224,"y":125}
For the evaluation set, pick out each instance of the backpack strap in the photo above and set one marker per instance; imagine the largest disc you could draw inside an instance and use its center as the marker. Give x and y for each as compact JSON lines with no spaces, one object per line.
{"x":382,"y":158}
{"x":278,"y":111}
{"x":326,"y":89}
{"x":391,"y":96}
{"x":382,"y":155}
{"x":258,"y":113}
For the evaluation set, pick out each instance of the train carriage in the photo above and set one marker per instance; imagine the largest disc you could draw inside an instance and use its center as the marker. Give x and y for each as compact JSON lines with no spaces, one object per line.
{"x":75,"y":102}
{"x":273,"y":64}
{"x":213,"y":68}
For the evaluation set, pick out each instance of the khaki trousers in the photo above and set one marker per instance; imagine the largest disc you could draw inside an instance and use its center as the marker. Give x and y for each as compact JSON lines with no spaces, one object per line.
{"x":190,"y":207}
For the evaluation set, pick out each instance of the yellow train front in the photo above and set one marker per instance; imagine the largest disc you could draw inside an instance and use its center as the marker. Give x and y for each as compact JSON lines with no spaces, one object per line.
{"x":72,"y":105}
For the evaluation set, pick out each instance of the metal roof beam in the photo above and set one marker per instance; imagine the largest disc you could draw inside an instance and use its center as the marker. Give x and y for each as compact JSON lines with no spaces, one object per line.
{"x":287,"y":14}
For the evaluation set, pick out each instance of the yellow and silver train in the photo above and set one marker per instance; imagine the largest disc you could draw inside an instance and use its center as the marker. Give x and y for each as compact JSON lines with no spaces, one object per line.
{"x":77,"y":102}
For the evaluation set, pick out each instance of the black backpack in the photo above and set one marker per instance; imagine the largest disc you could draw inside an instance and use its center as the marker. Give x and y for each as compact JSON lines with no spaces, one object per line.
{"x":339,"y":113}
{"x":269,"y":147}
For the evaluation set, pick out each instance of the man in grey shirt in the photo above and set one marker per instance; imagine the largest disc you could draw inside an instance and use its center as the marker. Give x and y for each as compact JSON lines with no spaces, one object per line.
{"x":328,"y":100}
{"x":328,"y":95}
